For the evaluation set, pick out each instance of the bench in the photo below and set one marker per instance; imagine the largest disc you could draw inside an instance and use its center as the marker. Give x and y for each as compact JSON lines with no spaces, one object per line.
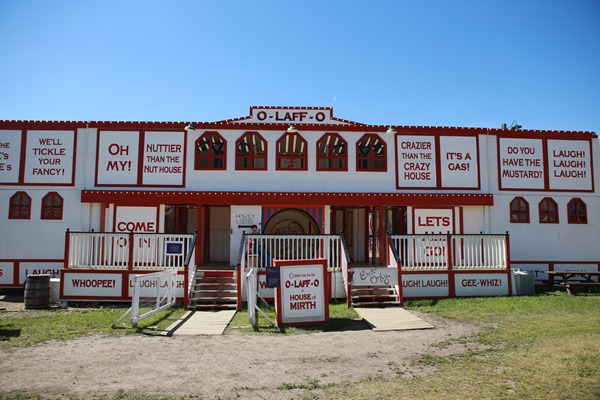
{"x":583,"y":279}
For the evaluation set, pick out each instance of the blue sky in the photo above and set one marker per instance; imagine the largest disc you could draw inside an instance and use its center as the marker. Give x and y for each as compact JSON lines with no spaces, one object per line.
{"x":427,"y":62}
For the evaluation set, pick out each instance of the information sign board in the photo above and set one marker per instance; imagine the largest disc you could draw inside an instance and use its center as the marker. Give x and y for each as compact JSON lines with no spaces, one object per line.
{"x":303,"y":295}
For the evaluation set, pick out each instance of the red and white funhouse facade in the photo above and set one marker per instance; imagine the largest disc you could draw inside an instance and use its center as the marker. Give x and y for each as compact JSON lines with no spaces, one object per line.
{"x":297,"y":172}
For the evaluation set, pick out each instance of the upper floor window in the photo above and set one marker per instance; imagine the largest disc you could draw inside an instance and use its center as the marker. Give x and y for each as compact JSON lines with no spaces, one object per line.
{"x":20,"y":206}
{"x":577,"y":211}
{"x":371,"y":154}
{"x":519,"y":210}
{"x":291,"y":152}
{"x":251,"y":152}
{"x":332,"y":154}
{"x":211,"y":151}
{"x":52,"y":206}
{"x":548,"y":211}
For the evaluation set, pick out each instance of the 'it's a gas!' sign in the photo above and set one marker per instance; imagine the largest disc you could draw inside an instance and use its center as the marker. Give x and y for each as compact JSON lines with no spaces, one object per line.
{"x":303,"y":295}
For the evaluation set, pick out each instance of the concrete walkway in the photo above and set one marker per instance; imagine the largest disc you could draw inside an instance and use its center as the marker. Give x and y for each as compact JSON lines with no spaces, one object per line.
{"x":391,"y":319}
{"x":201,"y":323}
{"x":215,"y":322}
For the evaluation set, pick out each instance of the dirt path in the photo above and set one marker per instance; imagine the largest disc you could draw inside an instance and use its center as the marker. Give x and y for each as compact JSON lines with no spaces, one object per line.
{"x":229,"y":366}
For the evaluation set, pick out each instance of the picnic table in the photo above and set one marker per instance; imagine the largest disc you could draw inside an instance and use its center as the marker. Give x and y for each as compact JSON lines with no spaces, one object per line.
{"x":570,"y":279}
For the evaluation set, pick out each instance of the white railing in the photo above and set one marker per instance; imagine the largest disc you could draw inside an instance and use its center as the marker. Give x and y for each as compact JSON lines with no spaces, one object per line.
{"x":127,"y":251}
{"x":252,"y":295}
{"x":444,"y":252}
{"x":152,"y":293}
{"x":260,"y":250}
{"x":479,"y":251}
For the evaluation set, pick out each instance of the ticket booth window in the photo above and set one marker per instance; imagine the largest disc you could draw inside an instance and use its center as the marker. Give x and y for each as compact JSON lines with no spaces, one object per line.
{"x":371,"y":154}
{"x":20,"y":206}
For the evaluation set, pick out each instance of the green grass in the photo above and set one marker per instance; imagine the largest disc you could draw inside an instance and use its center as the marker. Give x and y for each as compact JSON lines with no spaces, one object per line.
{"x":537,"y":347}
{"x":340,"y":318}
{"x":59,"y":324}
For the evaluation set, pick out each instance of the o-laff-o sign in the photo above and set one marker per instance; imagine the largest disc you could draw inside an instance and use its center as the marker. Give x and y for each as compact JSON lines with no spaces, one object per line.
{"x":303,"y":295}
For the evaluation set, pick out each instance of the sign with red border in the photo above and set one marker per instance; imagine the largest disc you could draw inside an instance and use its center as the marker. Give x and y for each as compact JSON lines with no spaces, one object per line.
{"x":437,"y":162}
{"x":303,"y":295}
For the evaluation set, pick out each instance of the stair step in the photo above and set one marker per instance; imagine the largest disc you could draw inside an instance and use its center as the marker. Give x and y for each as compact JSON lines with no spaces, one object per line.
{"x":214,"y":297}
{"x":373,"y":296}
{"x":373,"y":289}
{"x":213,"y":307}
{"x":375,"y":304}
{"x":212,"y":284}
{"x":214,"y":280}
{"x":215,"y":274}
{"x":213,"y":290}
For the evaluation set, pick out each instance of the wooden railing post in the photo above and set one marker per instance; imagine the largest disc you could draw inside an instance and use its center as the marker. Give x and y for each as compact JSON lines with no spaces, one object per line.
{"x":449,"y":251}
{"x":130,"y":261}
{"x":67,"y":246}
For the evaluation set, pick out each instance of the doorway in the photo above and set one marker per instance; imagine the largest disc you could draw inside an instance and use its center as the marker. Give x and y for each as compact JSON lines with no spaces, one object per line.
{"x":291,"y":221}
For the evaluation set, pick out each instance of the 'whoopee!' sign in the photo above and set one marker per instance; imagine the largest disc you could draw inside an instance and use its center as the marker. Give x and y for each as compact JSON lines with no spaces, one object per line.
{"x":302,"y":297}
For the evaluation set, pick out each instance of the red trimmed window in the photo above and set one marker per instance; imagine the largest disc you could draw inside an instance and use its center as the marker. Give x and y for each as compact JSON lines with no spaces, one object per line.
{"x":577,"y":211}
{"x":371,"y":154}
{"x":52,"y":206}
{"x":291,"y":152}
{"x":251,"y":152}
{"x":332,"y":153}
{"x":20,"y":206}
{"x":519,"y":211}
{"x":211,"y":152}
{"x":548,"y":211}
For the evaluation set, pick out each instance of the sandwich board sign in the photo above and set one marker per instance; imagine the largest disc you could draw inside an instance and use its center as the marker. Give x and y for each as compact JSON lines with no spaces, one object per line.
{"x":302,"y":297}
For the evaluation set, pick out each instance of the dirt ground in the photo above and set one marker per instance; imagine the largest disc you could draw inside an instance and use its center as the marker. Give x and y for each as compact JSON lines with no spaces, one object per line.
{"x":224,"y":367}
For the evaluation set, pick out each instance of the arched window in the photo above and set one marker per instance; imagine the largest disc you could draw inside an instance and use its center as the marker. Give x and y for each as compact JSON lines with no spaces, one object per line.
{"x":577,"y":211}
{"x":52,"y":206}
{"x":251,"y":152}
{"x":291,"y":152}
{"x":548,"y":211}
{"x":332,"y":153}
{"x":371,"y":153}
{"x":20,"y":206}
{"x":211,"y":152}
{"x":519,"y":211}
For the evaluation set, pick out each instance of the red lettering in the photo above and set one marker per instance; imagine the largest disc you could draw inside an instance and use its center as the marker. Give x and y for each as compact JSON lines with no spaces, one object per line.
{"x":136,"y":226}
{"x":469,"y":282}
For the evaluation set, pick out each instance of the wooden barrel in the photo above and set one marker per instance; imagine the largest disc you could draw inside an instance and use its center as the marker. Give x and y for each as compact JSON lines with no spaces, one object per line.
{"x":37,"y":291}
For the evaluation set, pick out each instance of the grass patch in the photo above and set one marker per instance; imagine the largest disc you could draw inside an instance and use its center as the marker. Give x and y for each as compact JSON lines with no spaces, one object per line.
{"x":340,"y":318}
{"x":539,"y":347}
{"x":59,"y":324}
{"x":311,"y":385}
{"x":535,"y":347}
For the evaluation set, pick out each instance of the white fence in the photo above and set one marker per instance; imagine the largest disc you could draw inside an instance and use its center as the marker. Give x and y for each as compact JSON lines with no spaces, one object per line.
{"x":443,"y":252}
{"x":262,"y":249}
{"x":122,"y":251}
{"x":152,"y":293}
{"x":252,"y":295}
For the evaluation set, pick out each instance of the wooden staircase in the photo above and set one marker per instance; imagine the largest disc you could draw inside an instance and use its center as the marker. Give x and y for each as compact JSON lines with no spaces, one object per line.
{"x":214,"y":290}
{"x":374,"y":296}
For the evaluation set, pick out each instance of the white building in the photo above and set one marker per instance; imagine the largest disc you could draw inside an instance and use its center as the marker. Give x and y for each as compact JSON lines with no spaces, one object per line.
{"x":296,"y":171}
